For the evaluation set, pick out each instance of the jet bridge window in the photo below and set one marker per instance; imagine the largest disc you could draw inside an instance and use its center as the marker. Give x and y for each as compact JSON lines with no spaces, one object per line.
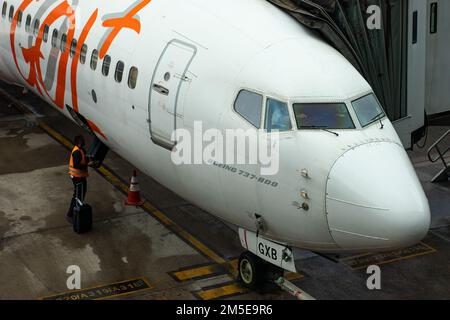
{"x":249,"y":105}
{"x":277,"y":116}
{"x":323,"y":116}
{"x":368,"y":110}
{"x":433,"y":17}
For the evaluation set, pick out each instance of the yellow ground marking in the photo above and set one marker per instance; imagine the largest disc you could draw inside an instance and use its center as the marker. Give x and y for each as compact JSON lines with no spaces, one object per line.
{"x":234,"y":264}
{"x":236,"y":288}
{"x":230,"y":267}
{"x":118,"y":183}
{"x":227,"y":290}
{"x":382,"y":262}
{"x":195,"y":273}
{"x":291,"y":276}
{"x":207,"y":270}
{"x":87,"y":290}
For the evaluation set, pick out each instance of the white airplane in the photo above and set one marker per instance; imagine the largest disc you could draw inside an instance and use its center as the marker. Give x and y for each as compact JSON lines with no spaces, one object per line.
{"x":132,"y":71}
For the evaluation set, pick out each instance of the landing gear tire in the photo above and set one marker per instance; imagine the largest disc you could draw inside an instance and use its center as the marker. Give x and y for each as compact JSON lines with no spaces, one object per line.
{"x":251,"y":270}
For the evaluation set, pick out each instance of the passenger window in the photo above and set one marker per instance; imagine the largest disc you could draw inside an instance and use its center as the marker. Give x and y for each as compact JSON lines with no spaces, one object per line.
{"x":106,"y":65}
{"x":132,"y":77}
{"x":94,"y":60}
{"x":11,"y":13}
{"x":249,"y":105}
{"x":45,"y":35}
{"x":119,"y":71}
{"x":28,"y":24}
{"x":277,"y":116}
{"x":19,"y":18}
{"x":83,"y":54}
{"x":36,"y":27}
{"x":55,"y":38}
{"x":63,"y":43}
{"x":5,"y":7}
{"x":73,"y":47}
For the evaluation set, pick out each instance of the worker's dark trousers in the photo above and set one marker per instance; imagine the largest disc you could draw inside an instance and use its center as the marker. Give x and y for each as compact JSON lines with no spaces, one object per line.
{"x":79,"y":192}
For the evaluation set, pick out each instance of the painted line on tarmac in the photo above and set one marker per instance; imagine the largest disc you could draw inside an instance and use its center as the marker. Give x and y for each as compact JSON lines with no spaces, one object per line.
{"x":108,"y":291}
{"x":205,"y":271}
{"x":363,"y":261}
{"x":231,"y":289}
{"x":228,"y":290}
{"x":222,"y":290}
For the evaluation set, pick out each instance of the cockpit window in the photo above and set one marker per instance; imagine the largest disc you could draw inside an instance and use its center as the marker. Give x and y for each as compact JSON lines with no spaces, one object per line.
{"x":323,"y":116}
{"x":277,"y":116}
{"x":368,"y":110}
{"x":249,"y":105}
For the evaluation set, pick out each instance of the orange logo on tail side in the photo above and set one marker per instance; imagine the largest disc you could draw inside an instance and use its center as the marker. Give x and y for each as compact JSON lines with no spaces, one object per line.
{"x":33,"y":55}
{"x":117,"y":24}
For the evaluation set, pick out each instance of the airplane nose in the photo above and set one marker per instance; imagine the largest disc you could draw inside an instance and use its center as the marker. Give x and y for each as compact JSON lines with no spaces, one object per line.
{"x":375,"y":200}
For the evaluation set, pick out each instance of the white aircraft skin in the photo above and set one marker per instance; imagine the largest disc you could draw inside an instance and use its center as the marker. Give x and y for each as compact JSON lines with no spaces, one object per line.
{"x":364,"y":195}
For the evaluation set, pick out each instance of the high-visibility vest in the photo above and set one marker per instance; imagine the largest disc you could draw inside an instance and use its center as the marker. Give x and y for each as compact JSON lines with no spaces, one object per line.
{"x":74,"y":172}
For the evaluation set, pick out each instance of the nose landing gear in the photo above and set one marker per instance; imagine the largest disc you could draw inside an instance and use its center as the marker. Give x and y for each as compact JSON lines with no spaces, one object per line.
{"x":255,"y":273}
{"x":249,"y":270}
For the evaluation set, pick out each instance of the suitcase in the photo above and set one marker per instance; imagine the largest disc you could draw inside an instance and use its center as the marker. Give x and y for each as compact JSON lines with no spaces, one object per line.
{"x":97,"y":152}
{"x":82,"y":216}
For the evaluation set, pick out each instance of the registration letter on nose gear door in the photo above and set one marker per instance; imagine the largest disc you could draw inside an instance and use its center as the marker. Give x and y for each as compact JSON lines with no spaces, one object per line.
{"x":277,"y":254}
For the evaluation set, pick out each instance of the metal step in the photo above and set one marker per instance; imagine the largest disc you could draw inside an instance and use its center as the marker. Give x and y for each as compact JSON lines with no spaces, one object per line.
{"x":441,"y":151}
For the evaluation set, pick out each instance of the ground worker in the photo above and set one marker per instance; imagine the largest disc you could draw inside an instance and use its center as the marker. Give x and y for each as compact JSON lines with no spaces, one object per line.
{"x":78,"y":171}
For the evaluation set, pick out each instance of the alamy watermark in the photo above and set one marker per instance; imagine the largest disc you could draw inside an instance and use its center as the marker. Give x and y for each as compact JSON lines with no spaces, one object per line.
{"x":231,"y":147}
{"x":374,"y":280}
{"x":74,"y":280}
{"x":374,"y":21}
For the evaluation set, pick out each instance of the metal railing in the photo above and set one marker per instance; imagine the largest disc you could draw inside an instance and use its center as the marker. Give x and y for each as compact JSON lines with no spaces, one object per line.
{"x":441,"y":153}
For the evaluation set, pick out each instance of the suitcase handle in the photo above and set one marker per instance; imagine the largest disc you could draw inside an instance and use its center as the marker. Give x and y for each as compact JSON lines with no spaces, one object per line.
{"x":79,"y":196}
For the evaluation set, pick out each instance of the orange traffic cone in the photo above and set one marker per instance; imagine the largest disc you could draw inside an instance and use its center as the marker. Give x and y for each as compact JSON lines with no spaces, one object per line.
{"x":134,"y":194}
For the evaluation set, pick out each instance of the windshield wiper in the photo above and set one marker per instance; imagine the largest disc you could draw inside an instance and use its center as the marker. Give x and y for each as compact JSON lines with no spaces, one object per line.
{"x":321,"y":128}
{"x":379,"y":117}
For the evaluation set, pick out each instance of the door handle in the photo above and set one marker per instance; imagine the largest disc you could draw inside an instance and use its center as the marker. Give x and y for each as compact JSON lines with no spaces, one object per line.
{"x":160,"y":89}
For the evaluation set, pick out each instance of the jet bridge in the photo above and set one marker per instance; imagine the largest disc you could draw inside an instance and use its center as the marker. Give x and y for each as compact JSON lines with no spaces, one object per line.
{"x":399,"y":46}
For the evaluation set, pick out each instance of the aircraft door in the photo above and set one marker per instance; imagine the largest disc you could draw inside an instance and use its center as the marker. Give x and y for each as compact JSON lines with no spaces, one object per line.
{"x":168,"y":78}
